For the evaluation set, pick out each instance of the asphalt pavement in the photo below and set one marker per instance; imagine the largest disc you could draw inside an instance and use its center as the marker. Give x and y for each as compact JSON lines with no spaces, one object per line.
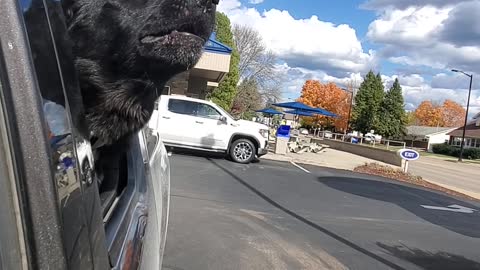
{"x":461,"y":177}
{"x":273,"y":215}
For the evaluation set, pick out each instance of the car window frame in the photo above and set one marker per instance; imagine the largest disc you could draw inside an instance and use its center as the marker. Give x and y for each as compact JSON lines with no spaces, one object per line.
{"x":181,"y":100}
{"x":195,"y":111}
{"x":212,"y":108}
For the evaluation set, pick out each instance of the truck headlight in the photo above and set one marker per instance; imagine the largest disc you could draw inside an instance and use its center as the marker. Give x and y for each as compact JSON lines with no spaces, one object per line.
{"x":264,"y":133}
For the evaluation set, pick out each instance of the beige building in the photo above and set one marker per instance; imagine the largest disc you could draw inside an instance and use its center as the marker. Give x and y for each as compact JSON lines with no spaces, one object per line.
{"x":210,"y":70}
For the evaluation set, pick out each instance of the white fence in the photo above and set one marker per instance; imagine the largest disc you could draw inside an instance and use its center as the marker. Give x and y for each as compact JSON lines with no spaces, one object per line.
{"x":387,"y":144}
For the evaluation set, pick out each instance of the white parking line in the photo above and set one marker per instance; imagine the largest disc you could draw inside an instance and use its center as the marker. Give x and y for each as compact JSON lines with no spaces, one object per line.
{"x":300,"y":167}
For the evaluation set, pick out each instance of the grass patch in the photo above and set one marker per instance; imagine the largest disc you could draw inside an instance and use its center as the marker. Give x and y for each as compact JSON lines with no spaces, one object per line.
{"x":399,"y":175}
{"x":449,"y":158}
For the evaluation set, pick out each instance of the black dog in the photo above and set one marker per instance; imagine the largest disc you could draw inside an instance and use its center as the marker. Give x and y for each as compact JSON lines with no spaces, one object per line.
{"x":126,"y":50}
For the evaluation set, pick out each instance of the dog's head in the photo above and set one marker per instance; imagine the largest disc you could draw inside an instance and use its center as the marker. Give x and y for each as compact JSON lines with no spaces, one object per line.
{"x":133,"y":38}
{"x":125,"y":50}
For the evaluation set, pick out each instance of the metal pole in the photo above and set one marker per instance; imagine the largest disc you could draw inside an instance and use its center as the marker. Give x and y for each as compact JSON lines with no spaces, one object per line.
{"x":460,"y":158}
{"x":350,"y":111}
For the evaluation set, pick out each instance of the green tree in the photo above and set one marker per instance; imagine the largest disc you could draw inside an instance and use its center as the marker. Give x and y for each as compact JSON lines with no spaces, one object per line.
{"x":224,"y":94}
{"x":392,"y":114}
{"x":368,"y":101}
{"x":411,"y":119}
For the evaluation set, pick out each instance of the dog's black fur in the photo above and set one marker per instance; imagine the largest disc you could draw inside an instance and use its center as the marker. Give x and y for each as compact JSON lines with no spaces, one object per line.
{"x":126,"y":50}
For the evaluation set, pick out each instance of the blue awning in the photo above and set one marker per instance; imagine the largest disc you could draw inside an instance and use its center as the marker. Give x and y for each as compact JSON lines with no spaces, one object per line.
{"x":300,"y":113}
{"x":300,"y":107}
{"x":295,"y":106}
{"x":269,"y":111}
{"x":213,"y":45}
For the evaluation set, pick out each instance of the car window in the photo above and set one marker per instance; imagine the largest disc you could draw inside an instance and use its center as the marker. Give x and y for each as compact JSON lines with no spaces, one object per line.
{"x":207,"y":111}
{"x":70,"y":153}
{"x":182,"y":106}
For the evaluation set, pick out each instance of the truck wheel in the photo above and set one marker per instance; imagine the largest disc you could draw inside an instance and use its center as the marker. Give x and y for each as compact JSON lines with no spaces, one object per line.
{"x":242,"y":151}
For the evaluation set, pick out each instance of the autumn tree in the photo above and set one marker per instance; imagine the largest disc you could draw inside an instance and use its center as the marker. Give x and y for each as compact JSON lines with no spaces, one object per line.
{"x":392,"y":113}
{"x":329,"y":97}
{"x":224,"y":94}
{"x":453,"y":114}
{"x":428,"y":114}
{"x":449,"y":114}
{"x":368,"y":101}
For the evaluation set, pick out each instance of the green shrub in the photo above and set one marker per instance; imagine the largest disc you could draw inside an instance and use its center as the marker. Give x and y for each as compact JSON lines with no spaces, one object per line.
{"x":449,"y":150}
{"x":471,"y":153}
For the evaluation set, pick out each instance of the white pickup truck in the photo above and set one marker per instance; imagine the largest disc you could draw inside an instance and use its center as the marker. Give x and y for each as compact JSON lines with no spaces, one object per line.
{"x":202,"y":125}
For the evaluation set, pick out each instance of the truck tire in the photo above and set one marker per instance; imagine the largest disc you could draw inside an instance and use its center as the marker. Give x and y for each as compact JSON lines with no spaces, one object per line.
{"x":242,"y":151}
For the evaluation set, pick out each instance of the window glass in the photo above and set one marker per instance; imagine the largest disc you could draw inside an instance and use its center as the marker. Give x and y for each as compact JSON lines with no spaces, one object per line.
{"x":182,"y":106}
{"x":71,"y":155}
{"x":207,"y":111}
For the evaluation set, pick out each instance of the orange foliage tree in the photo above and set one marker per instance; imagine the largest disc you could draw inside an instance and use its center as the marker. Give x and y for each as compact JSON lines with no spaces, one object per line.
{"x":449,"y":114}
{"x":453,"y":114}
{"x":329,"y":97}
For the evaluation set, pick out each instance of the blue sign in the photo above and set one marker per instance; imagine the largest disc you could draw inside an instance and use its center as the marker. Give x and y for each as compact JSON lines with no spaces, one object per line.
{"x":408,"y":154}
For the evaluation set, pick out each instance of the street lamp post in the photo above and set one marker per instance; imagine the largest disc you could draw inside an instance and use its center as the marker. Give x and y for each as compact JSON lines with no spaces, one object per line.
{"x":462,"y":146}
{"x":352,"y":92}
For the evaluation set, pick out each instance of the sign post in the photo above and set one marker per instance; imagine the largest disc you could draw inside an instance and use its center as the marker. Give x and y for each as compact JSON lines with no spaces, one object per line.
{"x":408,"y":155}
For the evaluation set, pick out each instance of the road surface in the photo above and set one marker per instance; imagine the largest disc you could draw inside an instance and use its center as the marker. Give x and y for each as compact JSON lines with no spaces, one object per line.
{"x":271,"y":215}
{"x":461,"y":177}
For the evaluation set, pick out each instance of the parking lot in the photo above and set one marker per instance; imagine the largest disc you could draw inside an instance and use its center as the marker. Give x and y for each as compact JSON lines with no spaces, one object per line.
{"x":272,"y":215}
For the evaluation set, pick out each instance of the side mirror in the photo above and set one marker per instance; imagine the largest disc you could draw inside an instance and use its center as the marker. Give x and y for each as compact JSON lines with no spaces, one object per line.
{"x":223,"y":119}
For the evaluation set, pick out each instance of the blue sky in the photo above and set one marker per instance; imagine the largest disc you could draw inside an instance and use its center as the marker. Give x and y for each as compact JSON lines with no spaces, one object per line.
{"x":338,"y":12}
{"x":339,"y":41}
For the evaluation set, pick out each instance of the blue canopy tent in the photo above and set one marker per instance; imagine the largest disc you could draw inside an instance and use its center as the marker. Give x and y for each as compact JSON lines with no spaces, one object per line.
{"x":300,"y":113}
{"x":269,"y":111}
{"x":295,"y":106}
{"x":300,"y":107}
{"x":326,"y":113}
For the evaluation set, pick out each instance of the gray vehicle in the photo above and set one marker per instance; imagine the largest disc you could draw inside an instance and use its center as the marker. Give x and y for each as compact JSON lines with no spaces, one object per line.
{"x":62,"y":205}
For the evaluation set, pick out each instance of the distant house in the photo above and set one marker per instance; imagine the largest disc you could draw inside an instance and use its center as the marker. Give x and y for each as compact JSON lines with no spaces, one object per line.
{"x":425,"y":137}
{"x":472,"y":134}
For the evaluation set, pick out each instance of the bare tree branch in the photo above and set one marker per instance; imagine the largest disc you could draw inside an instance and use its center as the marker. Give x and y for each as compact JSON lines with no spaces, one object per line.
{"x":257,"y":63}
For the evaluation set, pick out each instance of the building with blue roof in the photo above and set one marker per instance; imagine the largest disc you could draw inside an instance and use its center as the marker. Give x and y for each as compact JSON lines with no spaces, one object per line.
{"x":210,"y":70}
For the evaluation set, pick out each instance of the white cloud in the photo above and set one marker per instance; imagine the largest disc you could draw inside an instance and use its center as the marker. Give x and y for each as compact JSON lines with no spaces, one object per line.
{"x":414,"y":26}
{"x":403,"y":4}
{"x":310,"y":43}
{"x":441,"y":37}
{"x":415,"y":36}
{"x":255,"y":1}
{"x":226,"y":6}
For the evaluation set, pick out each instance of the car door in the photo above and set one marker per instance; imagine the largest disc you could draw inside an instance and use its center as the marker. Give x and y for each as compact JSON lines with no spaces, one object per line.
{"x":177,"y":124}
{"x":210,"y":129}
{"x":60,"y":201}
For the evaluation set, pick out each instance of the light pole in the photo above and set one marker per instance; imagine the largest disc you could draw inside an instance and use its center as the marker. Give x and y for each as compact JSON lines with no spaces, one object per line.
{"x":460,"y":158}
{"x":352,"y":92}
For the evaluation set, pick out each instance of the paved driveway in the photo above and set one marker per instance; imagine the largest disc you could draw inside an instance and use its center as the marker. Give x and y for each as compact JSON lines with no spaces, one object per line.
{"x":457,"y":176}
{"x":273,"y":215}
